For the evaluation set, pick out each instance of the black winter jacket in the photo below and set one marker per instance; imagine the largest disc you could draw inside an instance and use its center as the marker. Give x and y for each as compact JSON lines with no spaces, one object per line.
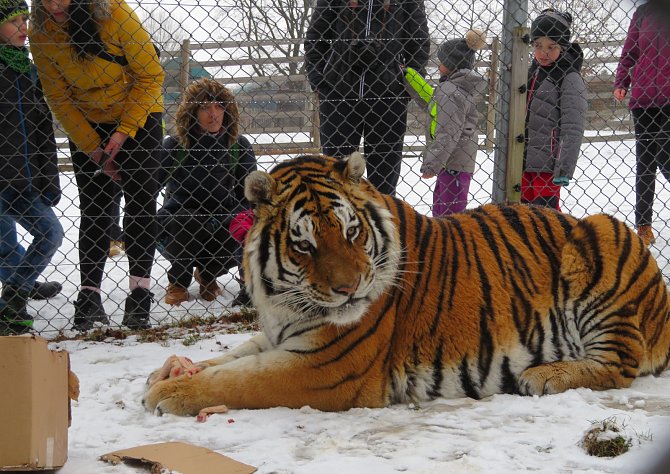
{"x":206,"y":181}
{"x":357,"y":51}
{"x":28,"y":158}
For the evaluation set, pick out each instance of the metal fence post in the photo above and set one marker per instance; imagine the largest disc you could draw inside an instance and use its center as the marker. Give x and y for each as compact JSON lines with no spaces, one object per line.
{"x":517,"y":114}
{"x":515,"y":14}
{"x":493,"y":94}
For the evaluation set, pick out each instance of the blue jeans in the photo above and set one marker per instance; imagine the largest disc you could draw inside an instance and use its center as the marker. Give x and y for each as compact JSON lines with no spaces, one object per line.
{"x":11,"y":251}
{"x":31,"y":213}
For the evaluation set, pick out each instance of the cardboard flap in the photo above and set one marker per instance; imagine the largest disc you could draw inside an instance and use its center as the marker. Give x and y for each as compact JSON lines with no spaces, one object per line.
{"x":181,"y":457}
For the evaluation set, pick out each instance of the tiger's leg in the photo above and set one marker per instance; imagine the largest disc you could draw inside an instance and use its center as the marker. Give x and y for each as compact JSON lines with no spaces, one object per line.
{"x":268,"y":379}
{"x":175,"y":365}
{"x":608,"y":282}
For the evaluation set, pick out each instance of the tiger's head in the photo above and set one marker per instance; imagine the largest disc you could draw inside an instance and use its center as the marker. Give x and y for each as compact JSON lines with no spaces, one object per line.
{"x":323,"y":246}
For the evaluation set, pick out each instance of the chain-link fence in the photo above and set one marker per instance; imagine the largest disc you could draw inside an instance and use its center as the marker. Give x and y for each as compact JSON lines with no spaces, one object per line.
{"x":256,"y":49}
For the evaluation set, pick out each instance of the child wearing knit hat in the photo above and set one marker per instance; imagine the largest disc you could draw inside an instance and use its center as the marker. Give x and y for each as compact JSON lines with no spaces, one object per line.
{"x":451,"y":153}
{"x":29,"y":181}
{"x":555,"y":110}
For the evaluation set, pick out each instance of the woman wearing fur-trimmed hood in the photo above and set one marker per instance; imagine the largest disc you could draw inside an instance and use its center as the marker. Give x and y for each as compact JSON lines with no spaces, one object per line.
{"x":204,"y":169}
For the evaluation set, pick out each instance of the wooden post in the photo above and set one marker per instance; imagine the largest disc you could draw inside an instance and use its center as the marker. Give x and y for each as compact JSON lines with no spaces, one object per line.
{"x":517,"y":116}
{"x":316,"y":122}
{"x":185,"y":64}
{"x":493,"y":94}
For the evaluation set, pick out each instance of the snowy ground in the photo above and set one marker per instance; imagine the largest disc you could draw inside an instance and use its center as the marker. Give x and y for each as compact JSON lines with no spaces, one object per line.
{"x":501,"y":434}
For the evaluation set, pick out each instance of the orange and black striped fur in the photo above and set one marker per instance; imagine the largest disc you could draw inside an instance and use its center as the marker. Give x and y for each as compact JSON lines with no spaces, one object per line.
{"x":364,"y":302}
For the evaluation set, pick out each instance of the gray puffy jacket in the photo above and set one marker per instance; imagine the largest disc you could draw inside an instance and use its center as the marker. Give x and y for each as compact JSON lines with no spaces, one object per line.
{"x":556,"y":115}
{"x":455,"y":144}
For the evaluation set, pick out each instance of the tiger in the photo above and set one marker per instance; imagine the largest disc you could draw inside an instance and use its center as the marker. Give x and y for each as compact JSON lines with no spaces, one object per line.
{"x":365,"y":302}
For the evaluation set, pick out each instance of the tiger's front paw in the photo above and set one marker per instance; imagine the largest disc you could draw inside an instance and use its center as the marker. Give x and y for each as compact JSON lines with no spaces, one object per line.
{"x":175,"y":396}
{"x":174,"y":366}
{"x":542,"y":380}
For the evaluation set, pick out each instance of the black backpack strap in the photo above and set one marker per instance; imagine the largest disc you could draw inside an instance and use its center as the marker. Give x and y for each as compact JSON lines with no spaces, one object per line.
{"x":112,"y":58}
{"x":121,"y":60}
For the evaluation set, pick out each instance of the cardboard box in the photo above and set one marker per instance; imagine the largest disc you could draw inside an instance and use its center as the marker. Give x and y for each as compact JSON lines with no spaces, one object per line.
{"x":178,"y":457}
{"x":34,"y":404}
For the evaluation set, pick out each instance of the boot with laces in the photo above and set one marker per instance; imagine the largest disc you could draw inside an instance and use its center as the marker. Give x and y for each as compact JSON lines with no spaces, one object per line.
{"x":138,"y":305}
{"x":14,"y":317}
{"x":45,"y":290}
{"x":88,"y":310}
{"x":176,"y":294}
{"x":646,"y":234}
{"x":208,"y":290}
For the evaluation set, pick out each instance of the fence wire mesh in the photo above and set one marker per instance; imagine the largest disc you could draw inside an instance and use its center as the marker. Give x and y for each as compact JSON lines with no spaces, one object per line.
{"x":284,"y":105}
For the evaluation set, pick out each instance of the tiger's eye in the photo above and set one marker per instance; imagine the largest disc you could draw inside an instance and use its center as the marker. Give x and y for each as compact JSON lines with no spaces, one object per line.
{"x":304,"y":246}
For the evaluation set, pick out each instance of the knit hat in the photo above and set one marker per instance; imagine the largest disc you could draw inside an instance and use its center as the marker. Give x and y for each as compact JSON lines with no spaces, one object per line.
{"x":458,"y":54}
{"x":554,"y":25}
{"x":11,"y":8}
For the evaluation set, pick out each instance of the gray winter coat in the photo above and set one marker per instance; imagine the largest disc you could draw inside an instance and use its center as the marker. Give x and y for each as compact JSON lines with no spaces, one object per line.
{"x":556,"y":117}
{"x":455,"y":144}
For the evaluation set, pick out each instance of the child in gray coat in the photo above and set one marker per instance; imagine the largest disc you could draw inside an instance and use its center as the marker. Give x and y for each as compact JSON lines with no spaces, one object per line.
{"x":451,"y":154}
{"x":555,"y":110}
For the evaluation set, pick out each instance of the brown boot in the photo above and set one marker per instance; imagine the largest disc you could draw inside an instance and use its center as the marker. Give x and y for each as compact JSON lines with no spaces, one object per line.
{"x":116,"y":248}
{"x":176,"y":294}
{"x":646,"y":234}
{"x":208,"y":291}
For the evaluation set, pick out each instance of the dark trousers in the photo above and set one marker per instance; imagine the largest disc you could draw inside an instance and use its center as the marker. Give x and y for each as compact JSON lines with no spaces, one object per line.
{"x":139,"y":162}
{"x":193,"y":240}
{"x":381,"y":121}
{"x":652,"y":147}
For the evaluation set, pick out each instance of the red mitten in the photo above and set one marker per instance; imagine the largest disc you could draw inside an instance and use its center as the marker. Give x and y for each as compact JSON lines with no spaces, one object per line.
{"x":241,"y":224}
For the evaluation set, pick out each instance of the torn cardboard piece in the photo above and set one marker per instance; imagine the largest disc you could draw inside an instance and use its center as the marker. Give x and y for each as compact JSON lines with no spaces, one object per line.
{"x":178,"y":457}
{"x":35,"y":405}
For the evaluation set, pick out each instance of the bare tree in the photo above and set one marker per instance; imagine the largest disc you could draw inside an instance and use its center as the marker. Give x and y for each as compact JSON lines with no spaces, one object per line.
{"x":165,"y":30}
{"x":277,"y":30}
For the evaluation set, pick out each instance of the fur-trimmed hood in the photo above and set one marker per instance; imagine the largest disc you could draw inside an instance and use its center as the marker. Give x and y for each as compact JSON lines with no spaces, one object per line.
{"x":39,"y":18}
{"x":196,"y":93}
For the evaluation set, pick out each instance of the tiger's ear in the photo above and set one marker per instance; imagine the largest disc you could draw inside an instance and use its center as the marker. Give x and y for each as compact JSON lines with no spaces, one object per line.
{"x":355,"y":167}
{"x":259,"y":187}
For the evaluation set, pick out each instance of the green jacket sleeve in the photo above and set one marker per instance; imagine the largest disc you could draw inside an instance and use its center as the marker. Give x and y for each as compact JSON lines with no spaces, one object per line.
{"x":421,"y":91}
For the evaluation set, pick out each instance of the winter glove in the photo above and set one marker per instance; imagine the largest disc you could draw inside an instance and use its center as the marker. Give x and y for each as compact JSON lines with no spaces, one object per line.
{"x":240,"y":225}
{"x":561,"y":180}
{"x":51,"y":198}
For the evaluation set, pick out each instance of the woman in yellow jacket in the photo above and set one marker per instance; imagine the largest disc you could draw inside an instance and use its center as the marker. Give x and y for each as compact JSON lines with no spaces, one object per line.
{"x":102,"y":80}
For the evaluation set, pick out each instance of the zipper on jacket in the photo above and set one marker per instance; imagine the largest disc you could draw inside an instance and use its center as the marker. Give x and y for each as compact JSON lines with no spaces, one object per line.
{"x":22,"y":121}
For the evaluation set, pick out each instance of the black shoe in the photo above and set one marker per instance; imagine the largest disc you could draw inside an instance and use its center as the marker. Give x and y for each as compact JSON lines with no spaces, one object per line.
{"x":242,"y":298}
{"x":138,"y":304}
{"x":14,"y":318}
{"x":88,"y":309}
{"x":45,"y":290}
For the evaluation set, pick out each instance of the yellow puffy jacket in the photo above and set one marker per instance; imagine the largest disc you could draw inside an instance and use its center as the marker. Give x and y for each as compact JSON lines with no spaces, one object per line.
{"x":96,"y":90}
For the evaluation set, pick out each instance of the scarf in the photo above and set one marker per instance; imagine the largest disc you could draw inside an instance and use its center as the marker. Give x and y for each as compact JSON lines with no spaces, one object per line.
{"x":15,"y":58}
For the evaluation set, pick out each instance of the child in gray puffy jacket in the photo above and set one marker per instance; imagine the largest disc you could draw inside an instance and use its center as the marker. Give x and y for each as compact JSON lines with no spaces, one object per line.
{"x":555,"y":110}
{"x":451,"y":154}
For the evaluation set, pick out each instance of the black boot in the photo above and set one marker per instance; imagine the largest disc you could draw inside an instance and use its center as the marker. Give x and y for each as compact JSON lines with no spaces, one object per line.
{"x":242,"y":298}
{"x":138,"y":304}
{"x":14,"y":318}
{"x":45,"y":290}
{"x":88,"y":309}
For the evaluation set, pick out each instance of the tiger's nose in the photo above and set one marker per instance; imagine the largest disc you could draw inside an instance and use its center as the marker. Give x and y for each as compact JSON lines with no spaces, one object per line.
{"x":348,"y":290}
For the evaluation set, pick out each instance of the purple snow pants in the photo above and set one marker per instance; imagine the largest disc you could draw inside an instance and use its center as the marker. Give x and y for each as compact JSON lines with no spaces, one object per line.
{"x":451,"y":192}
